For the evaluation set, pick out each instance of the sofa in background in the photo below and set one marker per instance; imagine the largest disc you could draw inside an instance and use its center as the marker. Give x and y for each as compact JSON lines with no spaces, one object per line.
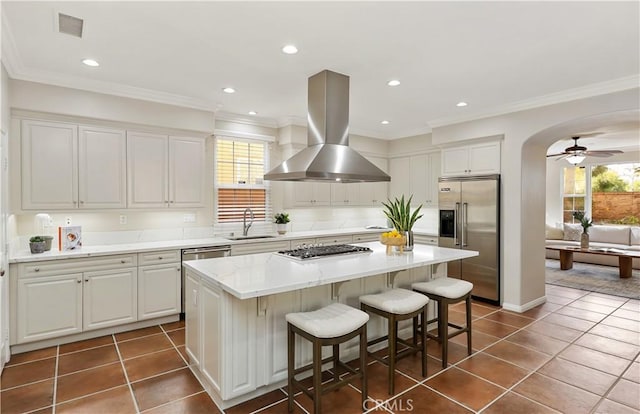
{"x":609,"y":236}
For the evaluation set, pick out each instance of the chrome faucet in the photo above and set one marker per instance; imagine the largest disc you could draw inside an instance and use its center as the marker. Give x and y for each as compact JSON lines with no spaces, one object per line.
{"x":245,"y":226}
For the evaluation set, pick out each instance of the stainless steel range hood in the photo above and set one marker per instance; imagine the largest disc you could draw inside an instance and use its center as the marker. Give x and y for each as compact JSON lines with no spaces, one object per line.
{"x":328,"y":156}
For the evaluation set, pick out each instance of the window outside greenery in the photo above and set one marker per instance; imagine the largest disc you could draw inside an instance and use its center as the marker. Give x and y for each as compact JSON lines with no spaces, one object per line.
{"x":608,"y":193}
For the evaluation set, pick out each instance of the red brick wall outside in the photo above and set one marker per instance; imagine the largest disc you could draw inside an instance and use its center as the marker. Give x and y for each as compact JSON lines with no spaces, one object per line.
{"x":616,"y":207}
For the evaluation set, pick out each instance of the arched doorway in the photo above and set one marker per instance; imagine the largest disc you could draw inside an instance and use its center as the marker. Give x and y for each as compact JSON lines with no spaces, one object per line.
{"x":533,"y":203}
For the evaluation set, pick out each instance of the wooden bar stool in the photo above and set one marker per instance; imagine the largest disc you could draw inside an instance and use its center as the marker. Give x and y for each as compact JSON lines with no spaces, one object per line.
{"x":328,"y":326}
{"x":398,"y":305}
{"x":447,"y":291}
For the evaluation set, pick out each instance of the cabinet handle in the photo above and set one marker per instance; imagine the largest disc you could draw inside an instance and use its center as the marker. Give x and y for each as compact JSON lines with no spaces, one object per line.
{"x":178,"y":269}
{"x":79,"y":281}
{"x":122,"y":261}
{"x":37,"y":269}
{"x":1,"y":272}
{"x":171,"y":201}
{"x":159,"y":257}
{"x":86,"y":280}
{"x":81,"y":202}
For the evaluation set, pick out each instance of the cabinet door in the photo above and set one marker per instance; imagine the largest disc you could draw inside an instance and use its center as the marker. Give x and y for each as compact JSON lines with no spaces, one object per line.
{"x":102,"y":168}
{"x":484,"y":158}
{"x":400,"y":171}
{"x":239,"y":345}
{"x":431,"y":181}
{"x":211,"y":335}
{"x":301,"y":194}
{"x":455,"y":161}
{"x":109,"y":298}
{"x":321,"y":194}
{"x":276,"y":334}
{"x":186,"y":172}
{"x":49,"y":307}
{"x":373,"y":194}
{"x":419,"y":172}
{"x":192,"y":318}
{"x":158,"y":291}
{"x":49,"y":165}
{"x":345,"y":194}
{"x":146,"y":170}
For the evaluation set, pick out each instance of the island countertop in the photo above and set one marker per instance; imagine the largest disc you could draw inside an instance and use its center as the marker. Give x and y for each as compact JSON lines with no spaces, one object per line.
{"x":256,"y":275}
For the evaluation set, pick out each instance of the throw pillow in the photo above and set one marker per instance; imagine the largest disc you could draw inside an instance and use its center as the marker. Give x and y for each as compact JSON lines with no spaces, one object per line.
{"x":572,"y":232}
{"x":553,"y":233}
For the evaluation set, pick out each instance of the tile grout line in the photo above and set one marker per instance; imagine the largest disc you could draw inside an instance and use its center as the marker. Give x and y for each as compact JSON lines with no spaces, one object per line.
{"x":55,"y":381}
{"x":172,"y":401}
{"x":126,"y":376}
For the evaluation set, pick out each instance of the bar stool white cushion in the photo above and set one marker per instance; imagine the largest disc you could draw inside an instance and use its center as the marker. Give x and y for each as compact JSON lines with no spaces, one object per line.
{"x":444,"y":286}
{"x":331,"y":321}
{"x":398,"y":301}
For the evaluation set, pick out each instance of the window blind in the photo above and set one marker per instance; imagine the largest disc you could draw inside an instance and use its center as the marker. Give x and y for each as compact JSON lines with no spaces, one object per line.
{"x":239,"y":179}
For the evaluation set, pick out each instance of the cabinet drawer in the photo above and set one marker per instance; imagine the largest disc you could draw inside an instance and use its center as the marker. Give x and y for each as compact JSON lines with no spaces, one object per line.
{"x":164,"y":256}
{"x":366,"y":237}
{"x":335,"y":240}
{"x":264,"y":247}
{"x":421,"y":239}
{"x":56,"y":267}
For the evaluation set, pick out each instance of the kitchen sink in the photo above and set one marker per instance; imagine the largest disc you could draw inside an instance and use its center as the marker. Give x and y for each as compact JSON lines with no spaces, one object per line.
{"x":257,"y":236}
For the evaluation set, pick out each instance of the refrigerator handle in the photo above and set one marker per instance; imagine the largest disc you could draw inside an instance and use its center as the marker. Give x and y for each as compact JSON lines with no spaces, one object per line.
{"x":456,"y":217}
{"x":465,"y":206}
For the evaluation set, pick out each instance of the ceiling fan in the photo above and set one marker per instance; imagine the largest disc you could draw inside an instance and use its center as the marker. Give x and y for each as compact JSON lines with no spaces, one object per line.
{"x":575,"y":154}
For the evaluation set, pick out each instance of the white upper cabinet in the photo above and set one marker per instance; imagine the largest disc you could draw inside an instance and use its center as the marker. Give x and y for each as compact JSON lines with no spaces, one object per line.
{"x":309,"y":194}
{"x":425,"y":170}
{"x":372,"y":194}
{"x":102,"y":168}
{"x":400,"y":171}
{"x":186,"y":171}
{"x":49,"y":165}
{"x":65,"y":166}
{"x":165,"y":171}
{"x":478,"y":159}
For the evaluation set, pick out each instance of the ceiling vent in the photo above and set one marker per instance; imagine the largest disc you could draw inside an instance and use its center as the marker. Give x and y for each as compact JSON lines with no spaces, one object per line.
{"x":70,"y":25}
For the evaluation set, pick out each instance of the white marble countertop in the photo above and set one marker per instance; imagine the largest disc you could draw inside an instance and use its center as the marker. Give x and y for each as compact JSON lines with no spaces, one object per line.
{"x":24,"y":255}
{"x":262,"y":274}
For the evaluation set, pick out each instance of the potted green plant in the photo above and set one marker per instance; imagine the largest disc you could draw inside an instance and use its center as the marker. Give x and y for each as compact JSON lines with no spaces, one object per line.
{"x":585,"y":222}
{"x":399,"y":212}
{"x":281,"y":220}
{"x":36,"y":244}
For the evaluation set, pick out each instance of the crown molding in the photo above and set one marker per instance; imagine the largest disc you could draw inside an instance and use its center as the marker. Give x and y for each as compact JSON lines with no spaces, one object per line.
{"x":291,"y":120}
{"x":595,"y":89}
{"x":246,"y":120}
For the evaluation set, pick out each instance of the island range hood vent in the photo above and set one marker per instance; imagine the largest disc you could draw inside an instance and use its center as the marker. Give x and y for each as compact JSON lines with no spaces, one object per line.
{"x":328,"y":156}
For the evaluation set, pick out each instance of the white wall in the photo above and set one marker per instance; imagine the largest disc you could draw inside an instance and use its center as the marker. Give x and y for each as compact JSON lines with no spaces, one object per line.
{"x":527,"y":135}
{"x":554,"y":181}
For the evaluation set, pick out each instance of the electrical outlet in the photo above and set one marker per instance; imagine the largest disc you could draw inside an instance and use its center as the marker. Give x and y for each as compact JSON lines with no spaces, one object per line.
{"x":190,"y":218}
{"x":123,"y":219}
{"x":67,"y":221}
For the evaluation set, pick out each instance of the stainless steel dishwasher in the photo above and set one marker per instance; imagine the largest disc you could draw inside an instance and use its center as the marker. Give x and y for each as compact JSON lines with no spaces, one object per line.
{"x":199,"y":254}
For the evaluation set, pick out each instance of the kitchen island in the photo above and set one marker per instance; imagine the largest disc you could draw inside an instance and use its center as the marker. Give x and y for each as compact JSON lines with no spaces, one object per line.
{"x":236,"y":307}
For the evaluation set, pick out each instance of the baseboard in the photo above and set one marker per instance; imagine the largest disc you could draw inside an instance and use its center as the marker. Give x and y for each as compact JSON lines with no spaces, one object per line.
{"x":523,"y":308}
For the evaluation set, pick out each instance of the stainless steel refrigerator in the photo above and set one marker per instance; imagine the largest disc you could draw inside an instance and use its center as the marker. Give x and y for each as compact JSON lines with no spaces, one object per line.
{"x":470,"y":220}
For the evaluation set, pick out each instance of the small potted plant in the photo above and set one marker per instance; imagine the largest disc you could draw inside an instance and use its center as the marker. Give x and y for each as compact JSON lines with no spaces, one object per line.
{"x":281,"y":220}
{"x":585,"y":222}
{"x":36,"y":244}
{"x":399,"y":212}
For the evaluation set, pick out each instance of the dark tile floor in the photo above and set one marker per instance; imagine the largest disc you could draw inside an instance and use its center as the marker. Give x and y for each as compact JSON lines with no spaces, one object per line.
{"x":577,"y":353}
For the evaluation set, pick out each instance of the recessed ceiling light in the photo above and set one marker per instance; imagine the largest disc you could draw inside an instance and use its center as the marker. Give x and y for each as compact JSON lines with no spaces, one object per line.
{"x":229,"y":90}
{"x":393,"y":82}
{"x":385,"y":122}
{"x":90,"y":62}
{"x":461,"y":104}
{"x":290,"y":49}
{"x":253,"y":113}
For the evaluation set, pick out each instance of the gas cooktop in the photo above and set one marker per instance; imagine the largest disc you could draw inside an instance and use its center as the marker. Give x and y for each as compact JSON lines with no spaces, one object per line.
{"x":316,"y":252}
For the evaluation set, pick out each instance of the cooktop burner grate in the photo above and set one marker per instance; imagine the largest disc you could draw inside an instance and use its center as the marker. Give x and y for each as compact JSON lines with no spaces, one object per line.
{"x":315,"y":252}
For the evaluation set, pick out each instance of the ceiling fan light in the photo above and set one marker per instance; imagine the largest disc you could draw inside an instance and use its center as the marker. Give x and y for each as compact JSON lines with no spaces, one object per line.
{"x":575,"y":159}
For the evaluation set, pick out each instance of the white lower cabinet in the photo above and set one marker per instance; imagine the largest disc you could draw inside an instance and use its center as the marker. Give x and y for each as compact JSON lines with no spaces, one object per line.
{"x":211,"y":330}
{"x":109,"y":298}
{"x":49,"y":307}
{"x":192,"y":318}
{"x":158,"y":290}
